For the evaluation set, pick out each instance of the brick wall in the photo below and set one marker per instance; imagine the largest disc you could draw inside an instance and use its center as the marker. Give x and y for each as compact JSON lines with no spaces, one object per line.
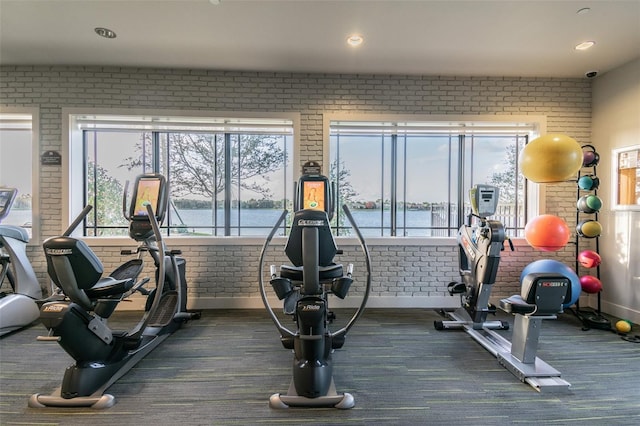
{"x":225,"y":275}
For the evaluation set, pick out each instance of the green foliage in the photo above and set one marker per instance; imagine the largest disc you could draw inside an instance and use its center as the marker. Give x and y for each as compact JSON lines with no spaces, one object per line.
{"x":190,"y":204}
{"x":340,"y":174}
{"x":198,"y":162}
{"x":104,"y":193}
{"x":508,"y":180}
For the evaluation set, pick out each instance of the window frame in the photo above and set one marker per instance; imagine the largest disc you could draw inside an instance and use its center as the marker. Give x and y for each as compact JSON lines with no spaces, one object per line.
{"x":535,"y":204}
{"x":74,"y":161}
{"x":34,"y":112}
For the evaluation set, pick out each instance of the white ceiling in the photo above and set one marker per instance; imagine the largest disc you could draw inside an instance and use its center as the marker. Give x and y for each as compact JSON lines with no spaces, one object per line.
{"x":430,"y":37}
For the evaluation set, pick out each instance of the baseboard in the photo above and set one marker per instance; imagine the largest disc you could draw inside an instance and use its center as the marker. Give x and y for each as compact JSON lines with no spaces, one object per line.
{"x":197,"y":303}
{"x":618,"y":311}
{"x":391,"y":302}
{"x":353,"y":302}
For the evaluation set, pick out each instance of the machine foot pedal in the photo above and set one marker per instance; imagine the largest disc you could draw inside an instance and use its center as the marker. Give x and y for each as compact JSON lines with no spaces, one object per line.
{"x":164,"y":314}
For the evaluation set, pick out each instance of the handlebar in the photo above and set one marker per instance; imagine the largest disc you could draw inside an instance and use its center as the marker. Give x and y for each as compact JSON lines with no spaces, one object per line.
{"x":367,"y":290}
{"x":137,"y":332}
{"x":77,"y":220}
{"x":263,"y":294}
{"x":124,"y":200}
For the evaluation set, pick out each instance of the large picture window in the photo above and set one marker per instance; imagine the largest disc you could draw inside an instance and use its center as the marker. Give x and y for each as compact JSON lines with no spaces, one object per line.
{"x":18,"y":164}
{"x":412,"y":178}
{"x":227,"y":176}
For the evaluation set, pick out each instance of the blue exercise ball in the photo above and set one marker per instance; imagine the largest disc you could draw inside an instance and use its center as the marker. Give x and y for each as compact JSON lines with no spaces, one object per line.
{"x":549,"y":266}
{"x":588,"y":183}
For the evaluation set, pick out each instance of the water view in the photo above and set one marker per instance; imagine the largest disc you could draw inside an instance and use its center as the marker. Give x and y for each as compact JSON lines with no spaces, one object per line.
{"x":259,"y":222}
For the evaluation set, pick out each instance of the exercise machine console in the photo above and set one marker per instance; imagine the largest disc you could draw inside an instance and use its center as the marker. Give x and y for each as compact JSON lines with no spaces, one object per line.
{"x":304,"y":287}
{"x":79,"y":322}
{"x":18,"y":308}
{"x":542,"y":296}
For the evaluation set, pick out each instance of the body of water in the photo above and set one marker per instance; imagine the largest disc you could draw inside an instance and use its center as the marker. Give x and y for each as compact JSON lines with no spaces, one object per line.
{"x":260,"y":221}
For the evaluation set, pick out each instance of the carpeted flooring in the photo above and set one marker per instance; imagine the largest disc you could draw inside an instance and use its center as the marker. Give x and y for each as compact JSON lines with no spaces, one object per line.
{"x":221,"y":370}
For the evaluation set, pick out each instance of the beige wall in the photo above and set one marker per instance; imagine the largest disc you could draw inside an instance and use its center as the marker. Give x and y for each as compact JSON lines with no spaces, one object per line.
{"x":406,"y":272}
{"x":616,"y":124}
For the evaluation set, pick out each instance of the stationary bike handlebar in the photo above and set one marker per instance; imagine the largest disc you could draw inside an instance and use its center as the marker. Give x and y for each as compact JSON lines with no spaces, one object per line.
{"x":161,"y":273}
{"x":77,"y":220}
{"x":367,"y":290}
{"x":281,"y":328}
{"x":125,"y":213}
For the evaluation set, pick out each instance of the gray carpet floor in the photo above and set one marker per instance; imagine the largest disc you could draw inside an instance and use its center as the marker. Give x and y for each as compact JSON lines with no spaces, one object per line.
{"x":221,"y":370}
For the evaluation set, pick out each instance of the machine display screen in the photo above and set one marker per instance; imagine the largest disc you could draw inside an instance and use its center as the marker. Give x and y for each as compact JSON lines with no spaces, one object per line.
{"x":314,"y":195}
{"x":147,"y":192}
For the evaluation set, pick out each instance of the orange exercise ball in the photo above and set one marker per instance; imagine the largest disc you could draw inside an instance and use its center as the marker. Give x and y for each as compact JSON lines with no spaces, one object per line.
{"x":551,"y":158}
{"x":547,"y":232}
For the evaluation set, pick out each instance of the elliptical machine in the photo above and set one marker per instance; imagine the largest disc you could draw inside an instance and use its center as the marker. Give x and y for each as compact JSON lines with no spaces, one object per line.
{"x":305,"y":287}
{"x":17,"y":309}
{"x":78,"y":322}
{"x":542,"y":296}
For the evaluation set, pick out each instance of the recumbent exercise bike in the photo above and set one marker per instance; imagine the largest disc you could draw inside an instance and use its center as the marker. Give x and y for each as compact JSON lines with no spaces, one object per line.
{"x":77,"y":318}
{"x":542,"y":296}
{"x":305,"y":287}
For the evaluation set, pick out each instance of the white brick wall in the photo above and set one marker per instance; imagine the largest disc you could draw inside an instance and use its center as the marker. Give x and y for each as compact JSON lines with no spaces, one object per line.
{"x":230,"y":272}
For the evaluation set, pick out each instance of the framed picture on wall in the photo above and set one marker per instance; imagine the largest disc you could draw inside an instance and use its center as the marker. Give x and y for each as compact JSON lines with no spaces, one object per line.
{"x":626,"y":174}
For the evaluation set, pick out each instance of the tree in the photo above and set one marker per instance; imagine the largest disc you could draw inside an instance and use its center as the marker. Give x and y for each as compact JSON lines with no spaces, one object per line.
{"x":104,"y":193}
{"x":509,"y":183}
{"x":197,"y":162}
{"x":339,"y":174}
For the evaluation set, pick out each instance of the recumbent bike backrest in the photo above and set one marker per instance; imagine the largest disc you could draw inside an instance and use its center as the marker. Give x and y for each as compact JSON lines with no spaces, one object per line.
{"x":87,"y":268}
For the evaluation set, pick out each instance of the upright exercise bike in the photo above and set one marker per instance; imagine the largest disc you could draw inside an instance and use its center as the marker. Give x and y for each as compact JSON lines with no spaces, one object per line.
{"x":18,"y":309}
{"x":305,"y":287}
{"x":79,"y":321}
{"x":542,"y":296}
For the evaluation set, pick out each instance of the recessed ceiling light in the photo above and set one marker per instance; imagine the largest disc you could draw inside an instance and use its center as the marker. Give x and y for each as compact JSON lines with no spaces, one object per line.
{"x":355,"y":40}
{"x":105,"y":32}
{"x":585,"y":45}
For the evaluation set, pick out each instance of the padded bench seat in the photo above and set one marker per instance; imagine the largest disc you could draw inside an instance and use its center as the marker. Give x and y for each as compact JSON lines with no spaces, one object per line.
{"x":294,"y":273}
{"x":517,"y":305}
{"x":108,"y":286}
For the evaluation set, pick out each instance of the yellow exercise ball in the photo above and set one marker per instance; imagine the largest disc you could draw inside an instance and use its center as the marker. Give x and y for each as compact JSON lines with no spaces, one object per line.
{"x":623,"y":326}
{"x":589,"y":228}
{"x":551,"y":158}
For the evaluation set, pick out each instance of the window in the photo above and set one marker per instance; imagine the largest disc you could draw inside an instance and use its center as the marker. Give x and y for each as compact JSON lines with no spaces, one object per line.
{"x":626,"y":178}
{"x":228,"y":176}
{"x":412,"y":178}
{"x":18,"y":164}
